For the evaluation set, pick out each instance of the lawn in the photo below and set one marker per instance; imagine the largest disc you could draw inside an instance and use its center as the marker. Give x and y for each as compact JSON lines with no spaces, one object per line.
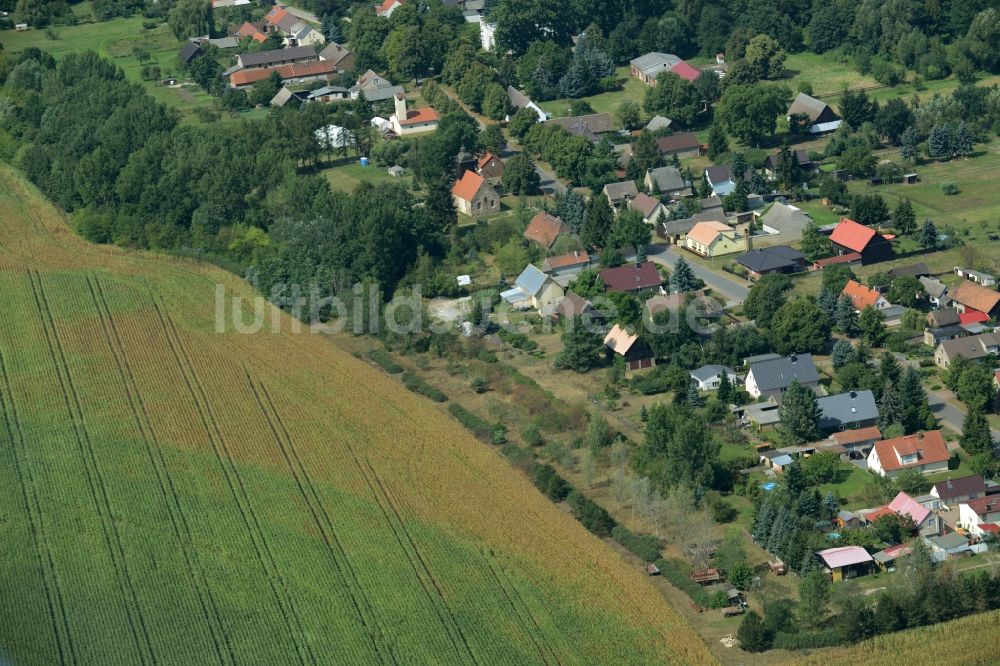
{"x":825,"y":73}
{"x":347,"y":173}
{"x":608,"y":102}
{"x":115,"y":40}
{"x":853,"y":480}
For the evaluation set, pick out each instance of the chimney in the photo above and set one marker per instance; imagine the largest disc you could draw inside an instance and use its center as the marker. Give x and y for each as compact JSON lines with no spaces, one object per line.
{"x":854,"y":394}
{"x":793,"y":358}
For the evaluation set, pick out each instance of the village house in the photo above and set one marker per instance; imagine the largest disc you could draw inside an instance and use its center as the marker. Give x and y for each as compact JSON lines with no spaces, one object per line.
{"x":973,"y":347}
{"x":802,"y":160}
{"x":328,"y":94}
{"x":620,"y":194}
{"x":341,"y":57}
{"x":955,"y":491}
{"x":568,"y":264}
{"x":847,"y":411}
{"x":629,"y":346}
{"x":714,"y":239}
{"x":545,"y":228}
{"x":475,"y":197}
{"x":917,"y":270}
{"x":708,"y":377}
{"x":388,"y":7}
{"x":981,"y":515}
{"x":820,"y":115}
{"x":783,"y":220}
{"x":657,"y":123}
{"x":845,"y":562}
{"x":632,"y":278}
{"x":667,"y":181}
{"x":294,"y":31}
{"x":288,"y":96}
{"x":519,"y":101}
{"x":302,"y":72}
{"x":857,"y":443}
{"x":675,"y":231}
{"x":683,"y":145}
{"x":575,"y":306}
{"x":770,"y":377}
{"x":937,"y":291}
{"x":776,"y":259}
{"x":592,"y":126}
{"x":647,"y":67}
{"x":248,"y":30}
{"x":886,"y":559}
{"x":971,"y":297}
{"x":925,"y":452}
{"x":491,"y":168}
{"x":189,"y":52}
{"x":650,"y":207}
{"x":863,"y":297}
{"x":927,"y":522}
{"x":405,"y":122}
{"x":721,"y":179}
{"x":850,"y":238}
{"x":375,"y":88}
{"x":946,"y":546}
{"x":978,"y":277}
{"x":534,"y":289}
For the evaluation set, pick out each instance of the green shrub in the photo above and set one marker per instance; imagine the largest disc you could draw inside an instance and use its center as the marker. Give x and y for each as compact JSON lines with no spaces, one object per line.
{"x":384,"y":361}
{"x":670,"y":570}
{"x":807,"y":640}
{"x":518,"y":340}
{"x":479,"y":427}
{"x":480,"y":385}
{"x":590,"y":514}
{"x":417,"y":385}
{"x":550,"y":483}
{"x":949,"y":187}
{"x":644,"y":546}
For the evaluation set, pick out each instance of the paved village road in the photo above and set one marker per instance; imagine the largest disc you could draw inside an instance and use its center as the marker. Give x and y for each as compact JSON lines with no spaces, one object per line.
{"x":733,"y":290}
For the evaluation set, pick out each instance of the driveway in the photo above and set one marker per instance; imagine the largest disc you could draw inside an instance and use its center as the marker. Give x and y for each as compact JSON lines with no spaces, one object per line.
{"x":733,"y":290}
{"x":949,"y":414}
{"x":548,"y":183}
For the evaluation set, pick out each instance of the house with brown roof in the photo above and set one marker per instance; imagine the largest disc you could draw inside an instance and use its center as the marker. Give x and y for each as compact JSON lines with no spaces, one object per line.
{"x":971,"y":296}
{"x":713,"y":239}
{"x":773,"y":162}
{"x":955,"y":491}
{"x":973,"y":347}
{"x":858,"y":443}
{"x":683,"y":144}
{"x":567,"y":264}
{"x":491,"y":168}
{"x":575,"y":306}
{"x":976,"y":514}
{"x":249,"y":30}
{"x":863,"y":297}
{"x":287,"y":56}
{"x":475,"y":197}
{"x":629,"y":346}
{"x":302,"y":72}
{"x":632,"y":278}
{"x":592,"y":126}
{"x":339,"y":55}
{"x":545,"y":228}
{"x":650,"y":207}
{"x":820,"y":115}
{"x":849,"y":237}
{"x":924,"y":452}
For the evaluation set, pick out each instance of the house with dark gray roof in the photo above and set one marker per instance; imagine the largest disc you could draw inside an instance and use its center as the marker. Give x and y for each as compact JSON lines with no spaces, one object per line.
{"x":667,"y":181}
{"x":847,"y":411}
{"x":771,"y":377}
{"x":707,"y":377}
{"x":772,"y":162}
{"x":189,"y":52}
{"x":675,"y":230}
{"x":591,"y":126}
{"x":777,"y":259}
{"x":277,"y":57}
{"x":620,"y":194}
{"x":937,"y":292}
{"x":917,"y":270}
{"x":822,"y":117}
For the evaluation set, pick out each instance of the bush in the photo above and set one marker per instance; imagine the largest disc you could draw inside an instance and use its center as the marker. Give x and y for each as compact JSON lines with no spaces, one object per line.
{"x":670,"y":570}
{"x":518,"y":340}
{"x":644,"y":546}
{"x":590,"y":514}
{"x":417,"y":385}
{"x":550,"y":483}
{"x":531,"y":436}
{"x":479,"y":427}
{"x":949,"y":187}
{"x":384,"y":361}
{"x":480,"y":385}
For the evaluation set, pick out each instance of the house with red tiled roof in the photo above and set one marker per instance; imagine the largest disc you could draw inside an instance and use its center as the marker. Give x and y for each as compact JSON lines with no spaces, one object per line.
{"x":971,"y":297}
{"x":632,"y":278}
{"x":976,"y":514}
{"x":863,"y":297}
{"x":412,"y":121}
{"x":545,"y":229}
{"x":850,"y":237}
{"x":297,"y":73}
{"x":858,"y":442}
{"x":566,"y":264}
{"x":388,"y":7}
{"x":475,"y":197}
{"x":925,"y":452}
{"x":250,"y":30}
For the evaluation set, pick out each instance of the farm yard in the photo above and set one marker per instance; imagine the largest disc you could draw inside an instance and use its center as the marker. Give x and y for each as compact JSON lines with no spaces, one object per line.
{"x":171,"y":495}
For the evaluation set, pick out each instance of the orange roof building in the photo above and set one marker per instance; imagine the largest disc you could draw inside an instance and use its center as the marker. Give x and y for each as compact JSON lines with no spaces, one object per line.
{"x":971,"y":296}
{"x":302,"y":71}
{"x":863,"y":297}
{"x":850,"y":237}
{"x":713,"y":238}
{"x":475,"y":197}
{"x":925,"y":452}
{"x":410,"y":121}
{"x":250,"y":30}
{"x":545,"y":228}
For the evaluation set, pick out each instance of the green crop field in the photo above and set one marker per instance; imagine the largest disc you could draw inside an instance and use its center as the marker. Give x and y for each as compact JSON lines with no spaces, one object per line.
{"x":174,"y":495}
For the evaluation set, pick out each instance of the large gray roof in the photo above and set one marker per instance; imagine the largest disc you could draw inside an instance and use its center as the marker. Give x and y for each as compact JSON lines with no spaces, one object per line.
{"x":707,"y":372}
{"x":785,"y":219}
{"x":770,"y":258}
{"x":778,"y":373}
{"x":810,"y":106}
{"x":668,"y":178}
{"x":654,"y":61}
{"x":277,"y":55}
{"x":531,"y":279}
{"x":846,"y":409}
